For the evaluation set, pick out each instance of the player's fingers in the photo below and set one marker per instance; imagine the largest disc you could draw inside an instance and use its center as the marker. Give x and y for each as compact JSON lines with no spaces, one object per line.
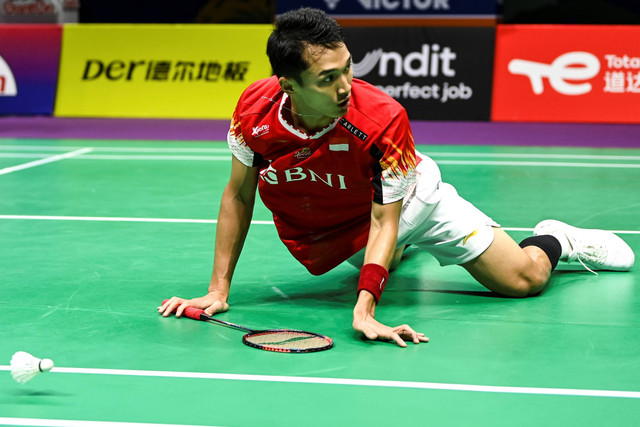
{"x":212,"y":309}
{"x":183,"y":306}
{"x":414,"y":337}
{"x":162,"y":307}
{"x":371,"y":335}
{"x":420,"y":338}
{"x":173,"y":307}
{"x":398,"y":340}
{"x":366,"y":330}
{"x":404,"y":330}
{"x":169,"y":306}
{"x":216,"y":307}
{"x":407,"y":331}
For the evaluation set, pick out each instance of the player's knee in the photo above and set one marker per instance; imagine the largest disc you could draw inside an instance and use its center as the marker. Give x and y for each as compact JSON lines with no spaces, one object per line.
{"x":526,"y":285}
{"x":517,"y":289}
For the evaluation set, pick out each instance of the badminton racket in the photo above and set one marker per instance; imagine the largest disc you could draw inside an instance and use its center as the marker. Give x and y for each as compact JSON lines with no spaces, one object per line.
{"x":278,"y":340}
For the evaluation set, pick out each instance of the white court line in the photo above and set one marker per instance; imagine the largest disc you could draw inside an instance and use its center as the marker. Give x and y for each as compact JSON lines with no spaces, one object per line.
{"x":350,"y":382}
{"x":23,"y":155}
{"x":120,"y":157}
{"x":434,"y":155}
{"x":45,"y":161}
{"x":39,"y":422}
{"x":120,"y":219}
{"x":535,"y":156}
{"x":541,"y":164}
{"x":227,"y":157}
{"x":151,"y":157}
{"x":193,"y":221}
{"x":120,"y":149}
{"x":110,"y":219}
{"x":116,"y":149}
{"x":440,"y":162}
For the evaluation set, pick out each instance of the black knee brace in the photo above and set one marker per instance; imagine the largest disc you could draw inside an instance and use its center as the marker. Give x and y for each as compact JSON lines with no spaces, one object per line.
{"x":549,"y":244}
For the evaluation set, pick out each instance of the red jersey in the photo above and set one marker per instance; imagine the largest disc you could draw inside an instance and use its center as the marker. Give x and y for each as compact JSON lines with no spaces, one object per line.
{"x":320,"y":187}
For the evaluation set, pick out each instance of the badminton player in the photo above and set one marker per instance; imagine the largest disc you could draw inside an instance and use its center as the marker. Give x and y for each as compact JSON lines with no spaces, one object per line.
{"x":334,"y":160}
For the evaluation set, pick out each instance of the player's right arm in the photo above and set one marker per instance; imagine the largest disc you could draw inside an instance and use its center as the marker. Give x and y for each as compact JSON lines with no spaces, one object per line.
{"x":234,"y":219}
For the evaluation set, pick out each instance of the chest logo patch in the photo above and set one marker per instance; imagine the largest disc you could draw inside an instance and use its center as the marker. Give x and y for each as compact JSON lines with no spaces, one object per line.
{"x":303,"y":154}
{"x":354,"y":130}
{"x":258,"y":131}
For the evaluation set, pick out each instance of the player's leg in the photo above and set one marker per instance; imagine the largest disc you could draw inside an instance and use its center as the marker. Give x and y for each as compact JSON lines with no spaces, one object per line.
{"x":508,"y":269}
{"x":435,"y":218}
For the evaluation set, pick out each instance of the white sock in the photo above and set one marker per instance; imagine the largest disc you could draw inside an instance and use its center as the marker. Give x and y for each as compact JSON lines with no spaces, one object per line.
{"x":564,"y":243}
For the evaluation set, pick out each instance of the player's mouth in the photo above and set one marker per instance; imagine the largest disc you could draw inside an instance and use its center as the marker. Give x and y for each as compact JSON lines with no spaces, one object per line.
{"x":344,"y":105}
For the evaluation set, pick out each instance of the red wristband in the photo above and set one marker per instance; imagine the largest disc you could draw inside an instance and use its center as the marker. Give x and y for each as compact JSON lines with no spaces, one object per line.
{"x":373,"y":278}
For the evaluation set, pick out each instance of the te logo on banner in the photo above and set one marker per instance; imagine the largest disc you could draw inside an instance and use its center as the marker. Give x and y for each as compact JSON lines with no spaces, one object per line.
{"x":8,"y":85}
{"x":567,"y":74}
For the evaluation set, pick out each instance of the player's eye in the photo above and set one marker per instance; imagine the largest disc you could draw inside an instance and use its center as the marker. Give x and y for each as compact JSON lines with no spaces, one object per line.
{"x":329,"y":78}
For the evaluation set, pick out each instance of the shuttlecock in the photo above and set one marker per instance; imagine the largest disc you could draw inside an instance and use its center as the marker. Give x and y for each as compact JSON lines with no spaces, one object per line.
{"x":25,"y":366}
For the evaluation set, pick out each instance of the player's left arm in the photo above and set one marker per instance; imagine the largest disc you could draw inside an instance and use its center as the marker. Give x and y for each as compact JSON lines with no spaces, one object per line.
{"x":381,"y":247}
{"x":383,"y":234}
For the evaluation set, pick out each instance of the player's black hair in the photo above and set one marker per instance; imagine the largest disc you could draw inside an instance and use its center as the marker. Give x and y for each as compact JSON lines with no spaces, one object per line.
{"x":293,"y":32}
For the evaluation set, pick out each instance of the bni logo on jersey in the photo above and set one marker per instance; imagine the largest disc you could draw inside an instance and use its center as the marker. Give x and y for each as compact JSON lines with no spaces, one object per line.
{"x":8,"y":85}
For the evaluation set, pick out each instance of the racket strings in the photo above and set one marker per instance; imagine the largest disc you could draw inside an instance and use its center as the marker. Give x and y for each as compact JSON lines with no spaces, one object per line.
{"x":288,"y":340}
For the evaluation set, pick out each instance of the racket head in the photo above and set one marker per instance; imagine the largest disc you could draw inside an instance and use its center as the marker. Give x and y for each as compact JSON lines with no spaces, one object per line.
{"x":287,"y":341}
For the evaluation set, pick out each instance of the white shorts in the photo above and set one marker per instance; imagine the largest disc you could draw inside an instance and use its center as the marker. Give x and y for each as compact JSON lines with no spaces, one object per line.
{"x":436,"y":219}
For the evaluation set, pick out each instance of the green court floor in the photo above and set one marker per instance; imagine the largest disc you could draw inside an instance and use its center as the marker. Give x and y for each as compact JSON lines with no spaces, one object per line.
{"x":95,"y":234}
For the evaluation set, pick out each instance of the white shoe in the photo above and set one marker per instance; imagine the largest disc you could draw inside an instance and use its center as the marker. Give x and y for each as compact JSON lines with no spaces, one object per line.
{"x":598,"y":249}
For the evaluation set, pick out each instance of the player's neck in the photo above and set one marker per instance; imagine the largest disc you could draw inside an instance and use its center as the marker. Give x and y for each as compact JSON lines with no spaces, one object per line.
{"x":310,"y":125}
{"x":308,"y":122}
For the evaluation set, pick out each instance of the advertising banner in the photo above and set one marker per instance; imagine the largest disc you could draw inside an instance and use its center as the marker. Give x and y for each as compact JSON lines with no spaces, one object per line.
{"x":29,"y":59}
{"x":31,"y":11}
{"x":561,"y":73}
{"x":397,"y":12}
{"x":435,"y":73}
{"x":159,"y":71}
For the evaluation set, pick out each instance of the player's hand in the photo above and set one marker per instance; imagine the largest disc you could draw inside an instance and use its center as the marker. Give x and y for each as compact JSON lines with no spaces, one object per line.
{"x":365,"y":323}
{"x":375,"y":330}
{"x":211,"y":303}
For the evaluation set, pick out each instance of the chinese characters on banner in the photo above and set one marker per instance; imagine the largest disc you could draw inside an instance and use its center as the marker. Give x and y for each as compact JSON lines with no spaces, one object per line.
{"x":622,"y":74}
{"x":209,"y":71}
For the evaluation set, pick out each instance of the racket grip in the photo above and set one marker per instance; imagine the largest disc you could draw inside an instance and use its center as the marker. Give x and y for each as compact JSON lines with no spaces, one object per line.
{"x":191,"y":312}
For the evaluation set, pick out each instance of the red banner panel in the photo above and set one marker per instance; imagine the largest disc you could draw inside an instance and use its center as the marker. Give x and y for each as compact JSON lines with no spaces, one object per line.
{"x":564,"y":73}
{"x":29,"y":61}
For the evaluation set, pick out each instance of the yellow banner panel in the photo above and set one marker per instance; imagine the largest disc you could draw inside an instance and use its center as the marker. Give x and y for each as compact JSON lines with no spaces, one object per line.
{"x":158,"y":71}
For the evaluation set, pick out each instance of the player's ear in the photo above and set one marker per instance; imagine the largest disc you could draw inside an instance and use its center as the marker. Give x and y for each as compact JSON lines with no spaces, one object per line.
{"x":286,"y":84}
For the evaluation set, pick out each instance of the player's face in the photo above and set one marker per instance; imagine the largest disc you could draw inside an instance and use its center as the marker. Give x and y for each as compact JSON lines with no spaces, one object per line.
{"x":325,"y":92}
